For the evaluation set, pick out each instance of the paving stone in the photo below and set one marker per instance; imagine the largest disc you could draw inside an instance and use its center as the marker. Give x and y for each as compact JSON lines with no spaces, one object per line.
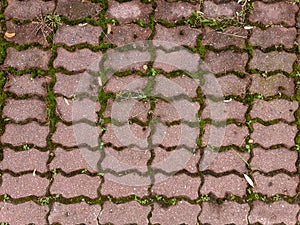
{"x":28,"y":10}
{"x":178,"y":185}
{"x":274,"y":213}
{"x":225,"y":213}
{"x":274,"y":13}
{"x":127,"y":34}
{"x":69,"y":110}
{"x":70,"y":187}
{"x":275,"y":109}
{"x":25,"y":34}
{"x":273,"y":36}
{"x":76,"y":159}
{"x":224,"y":161}
{"x":23,"y":186}
{"x":77,"y":9}
{"x":175,"y":135}
{"x":73,"y":35}
{"x":24,"y":213}
{"x":213,"y":10}
{"x":128,"y":12}
{"x":125,"y":213}
{"x":30,"y":58}
{"x":272,"y":85}
{"x":220,"y":186}
{"x":226,"y":61}
{"x":30,"y":133}
{"x":67,"y":84}
{"x":277,"y":184}
{"x":178,"y":110}
{"x":181,"y":35}
{"x":21,"y":110}
{"x":275,"y":159}
{"x":181,"y":213}
{"x":225,"y":110}
{"x":230,"y":135}
{"x":25,"y":84}
{"x":75,"y":61}
{"x":272,"y":61}
{"x":28,"y":160}
{"x":173,"y":11}
{"x":77,"y":134}
{"x":231,"y":36}
{"x":79,"y":213}
{"x":279,"y":133}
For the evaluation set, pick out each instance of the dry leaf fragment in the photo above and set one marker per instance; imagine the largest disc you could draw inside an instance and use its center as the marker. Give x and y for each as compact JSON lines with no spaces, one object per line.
{"x":248,"y":179}
{"x":66,"y":101}
{"x":9,"y":35}
{"x":108,"y":28}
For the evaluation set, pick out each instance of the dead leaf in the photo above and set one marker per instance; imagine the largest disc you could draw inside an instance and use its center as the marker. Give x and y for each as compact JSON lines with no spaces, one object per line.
{"x":108,"y":28}
{"x":9,"y":35}
{"x":248,"y":179}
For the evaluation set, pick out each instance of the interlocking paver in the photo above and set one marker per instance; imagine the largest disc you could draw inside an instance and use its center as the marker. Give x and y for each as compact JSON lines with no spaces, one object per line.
{"x":272,"y":61}
{"x":181,"y":213}
{"x":23,"y":186}
{"x":279,"y":133}
{"x":30,"y":133}
{"x":69,"y":214}
{"x":277,"y":184}
{"x":72,"y":35}
{"x":125,"y":213}
{"x":30,"y":58}
{"x":20,"y":110}
{"x":228,"y":9}
{"x":220,"y":186}
{"x":272,"y":85}
{"x":274,"y":13}
{"x":275,"y":109}
{"x":280,"y":36}
{"x":23,"y":213}
{"x":225,"y":213}
{"x":274,"y":213}
{"x":67,"y":84}
{"x":23,"y":85}
{"x":274,"y":159}
{"x":74,"y":186}
{"x":28,"y":160}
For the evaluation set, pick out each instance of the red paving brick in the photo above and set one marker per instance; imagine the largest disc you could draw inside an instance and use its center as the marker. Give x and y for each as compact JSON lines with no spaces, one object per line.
{"x":67,"y":84}
{"x":79,"y":213}
{"x":232,"y":85}
{"x":125,"y":213}
{"x":23,"y":213}
{"x":28,"y":160}
{"x":274,"y":213}
{"x":225,"y":213}
{"x":23,"y":186}
{"x":181,"y":213}
{"x":75,"y":186}
{"x":213,"y":10}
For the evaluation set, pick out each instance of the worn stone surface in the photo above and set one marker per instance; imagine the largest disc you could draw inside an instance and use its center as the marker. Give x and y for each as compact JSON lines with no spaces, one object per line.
{"x":67,"y":84}
{"x":214,"y":10}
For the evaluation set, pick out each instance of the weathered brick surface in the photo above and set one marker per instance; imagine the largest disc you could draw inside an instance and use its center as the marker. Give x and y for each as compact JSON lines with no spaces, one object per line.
{"x":279,"y":133}
{"x":23,"y":213}
{"x":72,"y":35}
{"x":20,"y":110}
{"x":74,"y":186}
{"x":226,"y":61}
{"x":272,"y":85}
{"x":274,"y":213}
{"x":273,"y":36}
{"x":124,"y":213}
{"x":272,"y":61}
{"x":221,"y":10}
{"x":28,"y":160}
{"x":67,"y":84}
{"x":275,"y":159}
{"x":30,"y":58}
{"x":277,"y":184}
{"x":275,"y":13}
{"x":22,"y":85}
{"x":220,"y":186}
{"x":79,"y":213}
{"x":226,"y":213}
{"x":275,"y":109}
{"x":23,"y":186}
{"x":181,"y":213}
{"x":30,"y":133}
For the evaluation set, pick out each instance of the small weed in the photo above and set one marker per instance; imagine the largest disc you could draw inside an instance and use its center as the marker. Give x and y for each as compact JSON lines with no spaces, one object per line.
{"x":44,"y":201}
{"x":84,"y":171}
{"x":26,"y":147}
{"x":4,"y":223}
{"x":6,"y":197}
